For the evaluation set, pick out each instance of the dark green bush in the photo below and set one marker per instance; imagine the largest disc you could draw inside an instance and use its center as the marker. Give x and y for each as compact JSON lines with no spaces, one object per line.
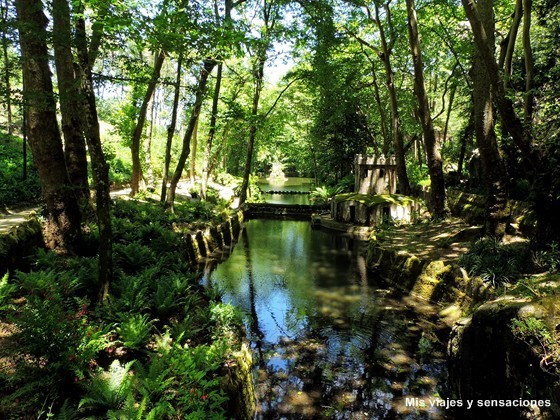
{"x":496,"y":262}
{"x":13,"y":188}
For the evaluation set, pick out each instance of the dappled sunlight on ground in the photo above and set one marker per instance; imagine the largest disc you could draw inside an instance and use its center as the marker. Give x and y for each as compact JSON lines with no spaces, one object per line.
{"x":446,"y":240}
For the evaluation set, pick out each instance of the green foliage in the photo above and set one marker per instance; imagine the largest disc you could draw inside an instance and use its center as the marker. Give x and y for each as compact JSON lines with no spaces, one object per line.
{"x":537,"y":334}
{"x":6,"y":291}
{"x":56,"y":337}
{"x":496,"y":262}
{"x":134,"y":331}
{"x":120,"y":169}
{"x":194,"y":371}
{"x":417,"y":175}
{"x":346,"y":184}
{"x":548,"y":259}
{"x":374,"y":200}
{"x":13,"y":189}
{"x":133,"y":257}
{"x":323,"y":194}
{"x":227,"y":319}
{"x":108,"y":392}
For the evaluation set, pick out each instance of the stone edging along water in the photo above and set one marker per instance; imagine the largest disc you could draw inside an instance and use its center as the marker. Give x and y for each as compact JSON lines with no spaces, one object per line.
{"x":486,"y":361}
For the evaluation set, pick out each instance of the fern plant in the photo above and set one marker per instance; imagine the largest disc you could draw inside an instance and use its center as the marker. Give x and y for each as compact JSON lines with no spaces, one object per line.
{"x":132,"y":258}
{"x":322,"y":195}
{"x":6,"y":291}
{"x":108,"y":392}
{"x":134,"y":331}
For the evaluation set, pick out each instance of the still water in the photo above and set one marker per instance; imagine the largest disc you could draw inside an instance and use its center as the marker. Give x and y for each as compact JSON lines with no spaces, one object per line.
{"x":287,"y":184}
{"x":329,"y":339}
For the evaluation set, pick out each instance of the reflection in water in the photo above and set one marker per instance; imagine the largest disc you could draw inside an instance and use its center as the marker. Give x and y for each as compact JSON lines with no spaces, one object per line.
{"x":290,"y":184}
{"x":328,"y":340}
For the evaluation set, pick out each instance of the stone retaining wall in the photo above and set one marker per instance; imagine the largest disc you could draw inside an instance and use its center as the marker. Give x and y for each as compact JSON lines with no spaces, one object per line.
{"x":486,"y":360}
{"x":20,"y":242}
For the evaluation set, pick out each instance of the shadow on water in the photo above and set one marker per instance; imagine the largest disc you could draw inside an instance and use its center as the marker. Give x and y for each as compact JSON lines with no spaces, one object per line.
{"x":329,"y":340}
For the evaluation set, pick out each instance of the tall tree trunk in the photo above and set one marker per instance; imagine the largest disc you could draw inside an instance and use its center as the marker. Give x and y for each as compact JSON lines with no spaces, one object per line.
{"x":528,"y":56}
{"x":259,"y":75}
{"x":211,"y":132}
{"x":194,"y":141}
{"x":137,"y":178}
{"x":148,"y":147}
{"x":207,"y":67}
{"x":171,"y":129}
{"x":99,"y":166}
{"x":465,"y":135}
{"x":69,"y":96}
{"x":521,"y":136}
{"x":537,"y":163}
{"x":510,"y":42}
{"x":449,"y":109}
{"x":7,"y":66}
{"x":402,"y":175}
{"x":492,"y":165}
{"x":62,"y":212}
{"x":380,"y":109}
{"x":433,"y":156}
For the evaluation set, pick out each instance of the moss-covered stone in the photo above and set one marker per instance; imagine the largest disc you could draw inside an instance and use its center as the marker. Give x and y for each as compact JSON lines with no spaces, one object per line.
{"x":237,"y":382}
{"x":485,"y":355}
{"x":20,"y":242}
{"x":377,"y":199}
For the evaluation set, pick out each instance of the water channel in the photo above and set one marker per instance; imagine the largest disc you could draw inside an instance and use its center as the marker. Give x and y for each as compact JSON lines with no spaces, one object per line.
{"x":288,"y":184}
{"x":330,"y":339}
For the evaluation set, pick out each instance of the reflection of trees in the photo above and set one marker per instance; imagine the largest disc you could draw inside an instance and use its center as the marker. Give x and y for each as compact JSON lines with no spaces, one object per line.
{"x":254,"y":319}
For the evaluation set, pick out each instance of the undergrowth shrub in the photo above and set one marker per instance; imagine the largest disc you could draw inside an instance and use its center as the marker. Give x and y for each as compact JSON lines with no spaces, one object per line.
{"x":154,"y":350}
{"x":496,"y":262}
{"x":542,"y":339}
{"x":134,"y":331}
{"x":548,"y":259}
{"x":55,"y":343}
{"x":13,"y":188}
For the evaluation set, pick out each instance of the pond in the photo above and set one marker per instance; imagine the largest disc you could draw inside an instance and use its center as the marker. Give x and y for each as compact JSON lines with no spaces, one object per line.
{"x":329,"y":339}
{"x":287,"y":184}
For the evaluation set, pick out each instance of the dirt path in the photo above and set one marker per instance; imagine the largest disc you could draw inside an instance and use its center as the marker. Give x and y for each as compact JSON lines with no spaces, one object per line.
{"x":446,"y":240}
{"x":14,"y":218}
{"x":9,"y":218}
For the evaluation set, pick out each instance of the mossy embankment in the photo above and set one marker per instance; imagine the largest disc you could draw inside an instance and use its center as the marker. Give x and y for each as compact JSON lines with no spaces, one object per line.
{"x":489,"y":358}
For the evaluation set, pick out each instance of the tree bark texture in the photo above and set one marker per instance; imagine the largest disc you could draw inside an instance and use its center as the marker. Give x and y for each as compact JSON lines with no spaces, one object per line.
{"x":435,"y":166}
{"x":137,"y":178}
{"x":520,"y":135}
{"x":7,"y":67}
{"x":404,"y":184}
{"x":99,"y":166}
{"x":511,"y":38}
{"x":207,"y":67}
{"x":69,"y":97}
{"x":171,"y":129}
{"x":529,"y":64}
{"x":493,"y":168}
{"x":259,"y":75}
{"x":62,"y":212}
{"x":211,"y":132}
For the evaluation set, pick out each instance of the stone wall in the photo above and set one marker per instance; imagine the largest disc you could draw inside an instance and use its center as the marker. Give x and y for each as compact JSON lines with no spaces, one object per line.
{"x":19,"y":243}
{"x":200,"y":244}
{"x":486,"y":360}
